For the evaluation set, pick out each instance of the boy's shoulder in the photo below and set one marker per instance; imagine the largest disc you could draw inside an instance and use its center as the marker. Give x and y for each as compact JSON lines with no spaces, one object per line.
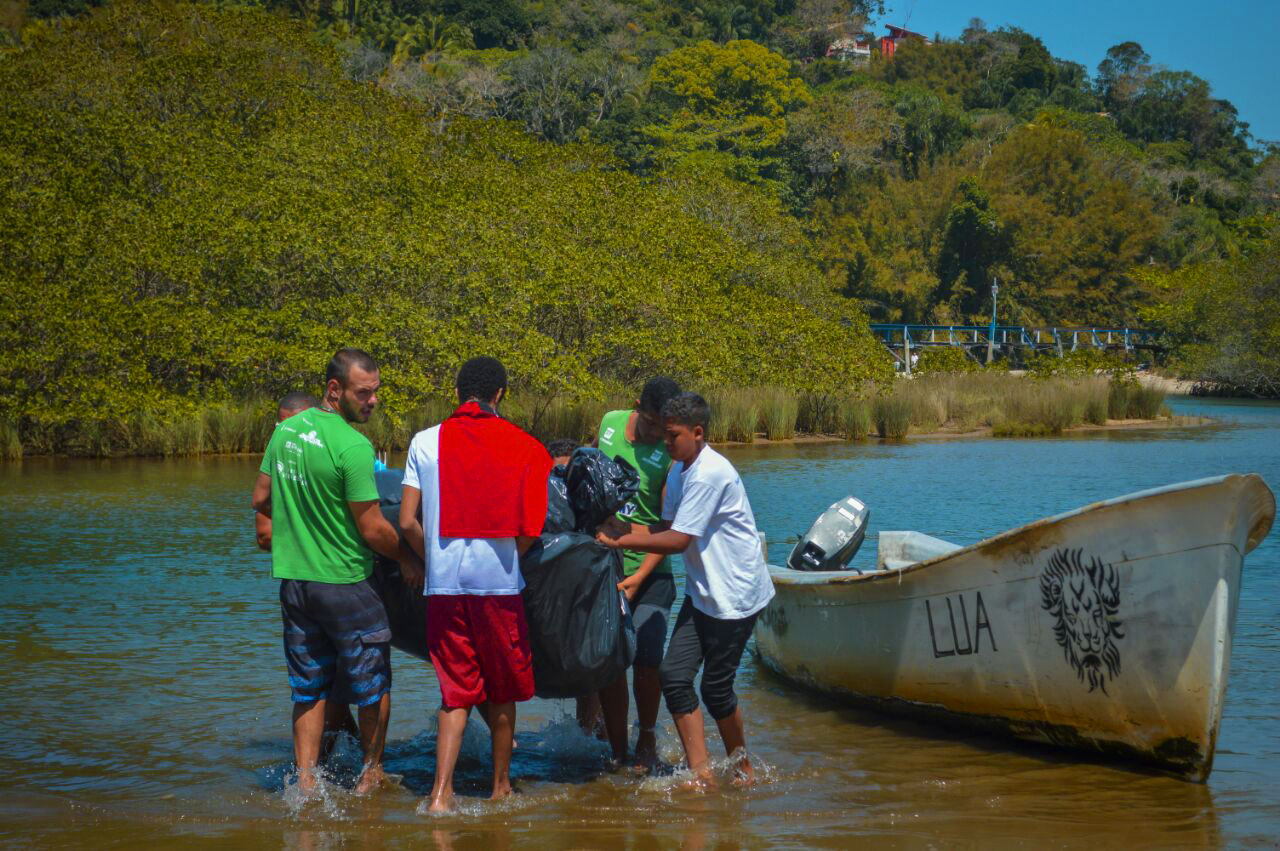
{"x":711,"y":466}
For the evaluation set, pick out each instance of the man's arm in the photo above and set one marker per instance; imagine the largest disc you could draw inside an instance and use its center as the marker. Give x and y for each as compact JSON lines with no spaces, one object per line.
{"x":632,"y":583}
{"x":410,"y":525}
{"x":262,"y":494}
{"x":262,"y":530}
{"x":373,"y":527}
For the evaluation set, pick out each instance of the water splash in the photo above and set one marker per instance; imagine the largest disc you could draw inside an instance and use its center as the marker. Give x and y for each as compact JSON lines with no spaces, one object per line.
{"x":729,"y":773}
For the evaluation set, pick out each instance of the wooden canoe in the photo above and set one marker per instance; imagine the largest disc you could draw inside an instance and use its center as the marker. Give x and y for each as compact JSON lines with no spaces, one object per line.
{"x":1107,"y":628}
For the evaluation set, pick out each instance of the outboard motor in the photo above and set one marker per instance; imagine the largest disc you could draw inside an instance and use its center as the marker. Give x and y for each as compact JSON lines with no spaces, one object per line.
{"x":833,"y":539}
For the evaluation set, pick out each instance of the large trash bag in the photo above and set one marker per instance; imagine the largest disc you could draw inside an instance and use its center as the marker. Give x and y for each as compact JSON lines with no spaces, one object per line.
{"x":406,"y":607}
{"x":560,"y":515}
{"x":598,"y":486}
{"x":580,"y":628}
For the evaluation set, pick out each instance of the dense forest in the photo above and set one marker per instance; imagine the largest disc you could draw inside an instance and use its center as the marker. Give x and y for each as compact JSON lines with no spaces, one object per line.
{"x":200,"y":199}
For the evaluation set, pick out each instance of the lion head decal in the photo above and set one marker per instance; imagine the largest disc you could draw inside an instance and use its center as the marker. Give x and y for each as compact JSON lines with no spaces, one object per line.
{"x":1084,"y":600}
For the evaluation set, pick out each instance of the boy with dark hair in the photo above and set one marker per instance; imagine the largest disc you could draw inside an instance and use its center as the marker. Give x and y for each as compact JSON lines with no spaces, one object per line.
{"x":560,"y":449}
{"x":475,"y":498}
{"x":636,"y":437}
{"x":708,"y":518}
{"x":316,"y":483}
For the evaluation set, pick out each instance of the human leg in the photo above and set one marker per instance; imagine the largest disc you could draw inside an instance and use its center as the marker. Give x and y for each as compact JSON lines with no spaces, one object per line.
{"x":501,"y":636}
{"x":652,"y":608}
{"x":676,"y":674}
{"x":373,"y":738}
{"x":616,"y":705}
{"x":502,"y":728}
{"x":308,"y":734}
{"x":450,"y":724}
{"x":337,"y":715}
{"x":648,"y":691}
{"x":453,"y":655}
{"x":310,"y":658}
{"x":355,"y":620}
{"x":723,"y":642}
{"x":588,"y":713}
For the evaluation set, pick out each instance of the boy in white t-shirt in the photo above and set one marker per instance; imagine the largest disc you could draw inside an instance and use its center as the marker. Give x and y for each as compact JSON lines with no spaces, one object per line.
{"x":707,"y":517}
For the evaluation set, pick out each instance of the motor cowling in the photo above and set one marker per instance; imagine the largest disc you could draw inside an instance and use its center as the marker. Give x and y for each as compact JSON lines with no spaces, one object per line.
{"x":833,"y":539}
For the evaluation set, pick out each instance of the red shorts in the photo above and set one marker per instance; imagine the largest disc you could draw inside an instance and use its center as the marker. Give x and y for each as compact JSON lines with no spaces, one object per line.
{"x":480,"y":649}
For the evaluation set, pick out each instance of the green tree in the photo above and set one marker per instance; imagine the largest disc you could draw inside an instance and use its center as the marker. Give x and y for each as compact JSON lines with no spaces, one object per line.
{"x":974,"y":242}
{"x":724,"y":107}
{"x":199,"y":206}
{"x":1222,"y":317}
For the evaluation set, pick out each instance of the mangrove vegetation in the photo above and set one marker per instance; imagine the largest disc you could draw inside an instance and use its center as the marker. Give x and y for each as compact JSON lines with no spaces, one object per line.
{"x":200,"y":201}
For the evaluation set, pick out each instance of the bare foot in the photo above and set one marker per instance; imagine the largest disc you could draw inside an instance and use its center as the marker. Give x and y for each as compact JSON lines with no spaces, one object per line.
{"x":744,"y":775}
{"x":501,"y":790}
{"x":646,"y":754}
{"x":371,"y":778}
{"x":701,"y":781}
{"x":306,"y":783}
{"x":442,"y":803}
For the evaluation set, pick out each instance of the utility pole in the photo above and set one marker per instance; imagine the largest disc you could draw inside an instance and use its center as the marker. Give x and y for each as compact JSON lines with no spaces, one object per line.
{"x":991,"y":338}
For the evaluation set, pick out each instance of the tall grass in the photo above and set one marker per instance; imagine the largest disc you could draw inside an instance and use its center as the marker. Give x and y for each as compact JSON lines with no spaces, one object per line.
{"x":735,"y":411}
{"x":893,"y":417}
{"x":854,"y":421}
{"x":1130,"y":400}
{"x":1010,"y":405}
{"x":10,"y":442}
{"x":779,"y":409}
{"x":238,"y":428}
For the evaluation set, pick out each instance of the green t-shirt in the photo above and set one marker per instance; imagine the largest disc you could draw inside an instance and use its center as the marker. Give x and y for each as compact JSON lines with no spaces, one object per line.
{"x":651,"y":462}
{"x":317,"y":464}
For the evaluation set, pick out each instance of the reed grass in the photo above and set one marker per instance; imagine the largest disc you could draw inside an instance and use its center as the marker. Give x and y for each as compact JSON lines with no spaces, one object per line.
{"x":735,"y":412}
{"x":1008,"y":404}
{"x":854,"y":418}
{"x":238,"y":428}
{"x":893,"y":417}
{"x":779,"y":410}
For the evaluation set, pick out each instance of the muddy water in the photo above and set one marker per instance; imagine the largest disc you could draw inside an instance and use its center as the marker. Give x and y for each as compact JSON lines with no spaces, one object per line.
{"x":144,"y":701}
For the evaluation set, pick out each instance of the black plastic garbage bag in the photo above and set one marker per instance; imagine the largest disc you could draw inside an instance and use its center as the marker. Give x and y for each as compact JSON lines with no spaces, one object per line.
{"x":580,"y":628}
{"x":598,"y":486}
{"x":406,"y":607}
{"x":560,"y":516}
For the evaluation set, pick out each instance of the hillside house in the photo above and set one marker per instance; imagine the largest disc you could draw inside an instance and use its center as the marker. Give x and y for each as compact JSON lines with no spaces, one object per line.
{"x":856,"y":50}
{"x":889,"y":43}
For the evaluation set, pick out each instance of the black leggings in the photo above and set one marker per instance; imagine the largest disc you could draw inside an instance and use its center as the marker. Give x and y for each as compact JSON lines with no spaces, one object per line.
{"x":697,"y":637}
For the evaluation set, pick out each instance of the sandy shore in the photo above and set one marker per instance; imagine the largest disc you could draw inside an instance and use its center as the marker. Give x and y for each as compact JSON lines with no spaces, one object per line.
{"x":1111,"y":425}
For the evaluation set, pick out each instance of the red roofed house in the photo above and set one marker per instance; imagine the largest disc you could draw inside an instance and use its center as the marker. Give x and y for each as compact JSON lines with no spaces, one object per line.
{"x":889,"y":43}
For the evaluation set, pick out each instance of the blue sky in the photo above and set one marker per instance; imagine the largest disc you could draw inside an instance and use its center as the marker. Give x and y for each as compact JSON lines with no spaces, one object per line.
{"x":1235,"y":45}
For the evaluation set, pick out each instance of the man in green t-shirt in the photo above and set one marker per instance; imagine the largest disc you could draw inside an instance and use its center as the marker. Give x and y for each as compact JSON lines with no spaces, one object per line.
{"x":316,"y":484}
{"x":636,"y":436}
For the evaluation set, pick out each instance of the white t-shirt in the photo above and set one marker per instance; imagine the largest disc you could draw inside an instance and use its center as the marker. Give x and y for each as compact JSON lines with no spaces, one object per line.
{"x":725,"y":573}
{"x":477,"y":566}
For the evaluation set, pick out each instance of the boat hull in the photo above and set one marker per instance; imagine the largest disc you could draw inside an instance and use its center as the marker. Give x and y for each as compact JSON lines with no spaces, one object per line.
{"x":1108,"y":628}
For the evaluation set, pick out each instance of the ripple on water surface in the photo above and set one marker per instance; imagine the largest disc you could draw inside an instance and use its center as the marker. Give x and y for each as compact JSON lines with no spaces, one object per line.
{"x":142,"y":679}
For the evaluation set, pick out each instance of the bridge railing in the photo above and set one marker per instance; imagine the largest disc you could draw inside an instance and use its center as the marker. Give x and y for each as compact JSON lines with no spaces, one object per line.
{"x":897,"y":335}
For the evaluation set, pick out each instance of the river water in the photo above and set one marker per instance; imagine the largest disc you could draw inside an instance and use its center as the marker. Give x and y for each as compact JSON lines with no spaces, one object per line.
{"x":144,"y":699}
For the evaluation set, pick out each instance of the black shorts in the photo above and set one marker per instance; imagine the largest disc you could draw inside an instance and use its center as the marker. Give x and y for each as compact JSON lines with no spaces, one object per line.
{"x":331,"y":629}
{"x":649,"y":612}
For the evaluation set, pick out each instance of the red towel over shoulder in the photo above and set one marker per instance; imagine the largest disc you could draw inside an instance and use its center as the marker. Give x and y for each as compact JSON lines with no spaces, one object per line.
{"x":493,"y":477}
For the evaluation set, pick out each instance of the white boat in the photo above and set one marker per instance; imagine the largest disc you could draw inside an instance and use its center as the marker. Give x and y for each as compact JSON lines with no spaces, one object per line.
{"x":1107,"y":628}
